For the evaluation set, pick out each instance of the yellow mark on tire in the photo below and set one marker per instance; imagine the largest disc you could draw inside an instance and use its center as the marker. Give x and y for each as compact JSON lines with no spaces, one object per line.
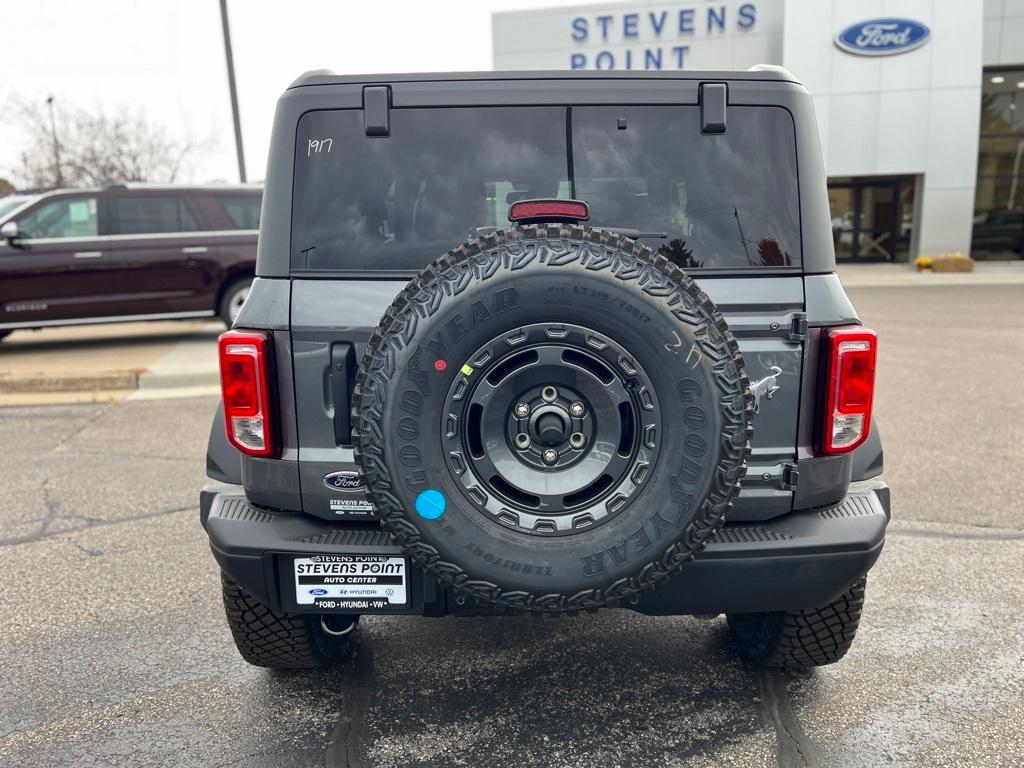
{"x":467,"y":369}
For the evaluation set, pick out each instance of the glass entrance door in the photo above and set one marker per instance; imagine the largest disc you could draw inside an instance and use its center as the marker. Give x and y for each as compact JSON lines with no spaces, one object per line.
{"x":871,"y":217}
{"x":843,"y":203}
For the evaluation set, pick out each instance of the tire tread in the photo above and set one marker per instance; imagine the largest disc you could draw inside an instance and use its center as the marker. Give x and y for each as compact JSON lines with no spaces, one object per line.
{"x":266,"y":638}
{"x":482,"y":258}
{"x":801,"y":639}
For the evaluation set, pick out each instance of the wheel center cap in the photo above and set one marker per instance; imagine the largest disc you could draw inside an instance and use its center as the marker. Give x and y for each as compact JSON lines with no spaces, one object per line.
{"x":551,"y":429}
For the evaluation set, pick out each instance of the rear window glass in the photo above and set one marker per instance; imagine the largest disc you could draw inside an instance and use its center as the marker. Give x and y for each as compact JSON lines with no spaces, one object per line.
{"x":449,"y":174}
{"x":442,"y":177}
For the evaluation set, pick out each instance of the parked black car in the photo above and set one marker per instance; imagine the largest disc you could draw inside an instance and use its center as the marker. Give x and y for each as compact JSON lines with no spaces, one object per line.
{"x":546,"y":342}
{"x":999,"y":235}
{"x":127,"y":252}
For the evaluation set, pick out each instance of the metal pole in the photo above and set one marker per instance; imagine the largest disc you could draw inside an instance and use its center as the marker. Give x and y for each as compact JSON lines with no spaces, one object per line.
{"x":234,"y":91}
{"x":1010,"y":198}
{"x":56,"y":144}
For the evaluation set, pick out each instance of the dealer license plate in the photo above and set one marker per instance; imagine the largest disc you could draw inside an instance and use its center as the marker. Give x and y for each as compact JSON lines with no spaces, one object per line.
{"x":350,"y":581}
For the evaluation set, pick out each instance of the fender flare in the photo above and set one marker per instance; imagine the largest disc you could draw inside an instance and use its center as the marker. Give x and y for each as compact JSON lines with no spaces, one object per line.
{"x":223,"y":460}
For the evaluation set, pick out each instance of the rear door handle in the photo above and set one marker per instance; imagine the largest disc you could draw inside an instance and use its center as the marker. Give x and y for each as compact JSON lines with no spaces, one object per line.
{"x":88,"y":254}
{"x":195,"y":249}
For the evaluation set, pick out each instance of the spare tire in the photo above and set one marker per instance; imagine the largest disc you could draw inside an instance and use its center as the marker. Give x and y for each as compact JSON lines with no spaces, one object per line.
{"x":552,"y":418}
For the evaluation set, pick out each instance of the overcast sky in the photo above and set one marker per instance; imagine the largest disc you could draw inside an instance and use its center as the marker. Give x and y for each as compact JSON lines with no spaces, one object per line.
{"x":166,"y":57}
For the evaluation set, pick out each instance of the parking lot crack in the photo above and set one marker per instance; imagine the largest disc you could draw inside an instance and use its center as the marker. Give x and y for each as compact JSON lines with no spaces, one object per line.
{"x":45,"y":533}
{"x":52,"y":508}
{"x":793,"y":748}
{"x":65,"y":440}
{"x":345,"y":749}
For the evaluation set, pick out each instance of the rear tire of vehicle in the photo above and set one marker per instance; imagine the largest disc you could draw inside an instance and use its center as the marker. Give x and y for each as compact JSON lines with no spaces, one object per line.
{"x":800,"y":639}
{"x":266,"y":638}
{"x":232,"y":298}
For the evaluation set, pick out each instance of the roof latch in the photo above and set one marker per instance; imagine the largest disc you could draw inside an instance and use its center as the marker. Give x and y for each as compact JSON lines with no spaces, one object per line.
{"x":377,"y":110}
{"x":713,"y":98}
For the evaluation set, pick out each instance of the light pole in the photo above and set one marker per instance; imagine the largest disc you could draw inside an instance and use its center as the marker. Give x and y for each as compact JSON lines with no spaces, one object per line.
{"x":56,"y":144}
{"x":234,"y":91}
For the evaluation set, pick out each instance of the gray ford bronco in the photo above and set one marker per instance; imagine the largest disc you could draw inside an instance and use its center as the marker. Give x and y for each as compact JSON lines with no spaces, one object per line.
{"x":547,"y":343}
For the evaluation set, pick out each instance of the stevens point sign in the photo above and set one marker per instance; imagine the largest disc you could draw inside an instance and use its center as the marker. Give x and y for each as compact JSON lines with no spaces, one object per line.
{"x":652,"y":38}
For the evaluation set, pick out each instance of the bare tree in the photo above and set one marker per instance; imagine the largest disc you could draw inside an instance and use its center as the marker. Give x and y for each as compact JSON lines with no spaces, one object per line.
{"x":771,"y":254}
{"x":96,"y":147}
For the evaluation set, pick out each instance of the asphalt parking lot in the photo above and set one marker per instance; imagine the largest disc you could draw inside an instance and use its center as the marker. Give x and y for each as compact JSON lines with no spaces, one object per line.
{"x":115,"y":651}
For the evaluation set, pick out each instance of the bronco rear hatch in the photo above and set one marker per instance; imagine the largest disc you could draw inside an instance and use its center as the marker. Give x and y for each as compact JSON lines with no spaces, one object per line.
{"x":376,"y":199}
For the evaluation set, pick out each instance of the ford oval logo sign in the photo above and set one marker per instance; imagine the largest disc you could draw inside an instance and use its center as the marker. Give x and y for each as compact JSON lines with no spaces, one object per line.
{"x":883,"y":37}
{"x":344,"y":481}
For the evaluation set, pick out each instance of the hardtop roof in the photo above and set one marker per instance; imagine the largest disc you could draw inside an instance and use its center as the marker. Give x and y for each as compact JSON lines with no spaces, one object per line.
{"x":766,"y":72}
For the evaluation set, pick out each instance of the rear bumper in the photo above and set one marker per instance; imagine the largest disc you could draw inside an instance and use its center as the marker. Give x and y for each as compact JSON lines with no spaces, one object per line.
{"x":801,"y":560}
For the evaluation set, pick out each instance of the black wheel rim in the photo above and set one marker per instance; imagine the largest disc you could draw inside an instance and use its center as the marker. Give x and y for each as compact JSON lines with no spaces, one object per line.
{"x":551,"y":429}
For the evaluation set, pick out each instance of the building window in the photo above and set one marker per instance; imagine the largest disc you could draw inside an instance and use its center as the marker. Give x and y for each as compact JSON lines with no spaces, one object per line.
{"x":998,"y":231}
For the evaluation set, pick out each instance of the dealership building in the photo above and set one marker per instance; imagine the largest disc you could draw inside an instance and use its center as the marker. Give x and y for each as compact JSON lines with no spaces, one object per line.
{"x":916,"y":100}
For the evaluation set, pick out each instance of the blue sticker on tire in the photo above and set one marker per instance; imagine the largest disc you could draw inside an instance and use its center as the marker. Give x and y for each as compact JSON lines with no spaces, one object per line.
{"x":430,"y":504}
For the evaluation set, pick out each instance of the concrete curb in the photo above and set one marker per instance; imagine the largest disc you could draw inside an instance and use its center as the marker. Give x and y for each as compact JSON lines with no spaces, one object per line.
{"x":180,"y":380}
{"x":904,"y":275}
{"x":106,"y":381}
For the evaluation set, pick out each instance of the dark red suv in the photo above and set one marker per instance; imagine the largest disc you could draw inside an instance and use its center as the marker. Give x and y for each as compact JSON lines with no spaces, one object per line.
{"x":127,"y":252}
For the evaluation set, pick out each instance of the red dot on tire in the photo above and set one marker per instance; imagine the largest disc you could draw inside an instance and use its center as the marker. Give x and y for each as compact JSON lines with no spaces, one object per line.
{"x":440,"y":365}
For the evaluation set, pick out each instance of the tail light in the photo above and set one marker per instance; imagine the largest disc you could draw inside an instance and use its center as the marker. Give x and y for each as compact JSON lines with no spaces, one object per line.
{"x":245,"y":360}
{"x":548,"y":210}
{"x":850,"y":388}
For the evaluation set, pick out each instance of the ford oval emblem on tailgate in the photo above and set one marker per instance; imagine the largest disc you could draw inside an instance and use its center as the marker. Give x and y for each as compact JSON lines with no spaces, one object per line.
{"x":344,"y":481}
{"x":883,"y":37}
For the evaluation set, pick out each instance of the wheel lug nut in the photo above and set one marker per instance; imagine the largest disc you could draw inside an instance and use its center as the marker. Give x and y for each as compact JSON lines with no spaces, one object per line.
{"x":549,"y":394}
{"x":522,"y":410}
{"x":550,"y":456}
{"x":577,"y":409}
{"x":576,"y":440}
{"x":522,"y":440}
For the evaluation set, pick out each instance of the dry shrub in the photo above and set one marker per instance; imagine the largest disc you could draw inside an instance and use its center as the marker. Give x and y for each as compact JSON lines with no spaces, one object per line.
{"x":952,"y":262}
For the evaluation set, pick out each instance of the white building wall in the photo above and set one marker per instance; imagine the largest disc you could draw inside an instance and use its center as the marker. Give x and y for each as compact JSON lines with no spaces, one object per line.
{"x":910,"y":113}
{"x":1004,"y":33}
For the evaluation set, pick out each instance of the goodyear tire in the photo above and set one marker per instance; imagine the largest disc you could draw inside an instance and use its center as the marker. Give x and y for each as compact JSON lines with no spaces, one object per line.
{"x":552,"y":418}
{"x":266,"y":638}
{"x":800,"y":639}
